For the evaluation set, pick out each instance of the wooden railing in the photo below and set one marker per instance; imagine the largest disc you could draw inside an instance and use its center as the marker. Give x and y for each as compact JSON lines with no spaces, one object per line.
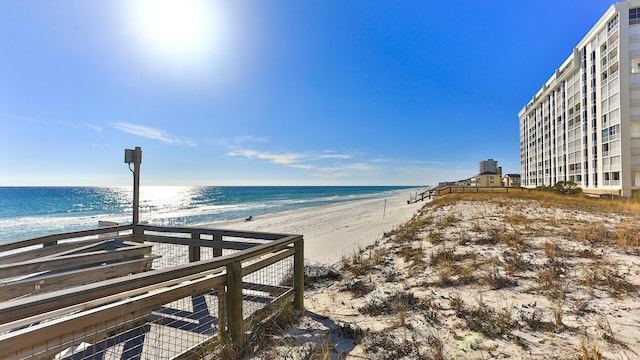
{"x":77,"y":295}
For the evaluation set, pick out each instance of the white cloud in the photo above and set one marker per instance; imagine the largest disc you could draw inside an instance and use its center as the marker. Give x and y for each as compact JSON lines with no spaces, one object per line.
{"x":238,"y":141}
{"x":329,"y":166}
{"x":359,"y":167}
{"x":152,"y":133}
{"x":25,"y":118}
{"x":287,"y":159}
{"x":326,"y":164}
{"x":335,"y":156}
{"x":95,"y":128}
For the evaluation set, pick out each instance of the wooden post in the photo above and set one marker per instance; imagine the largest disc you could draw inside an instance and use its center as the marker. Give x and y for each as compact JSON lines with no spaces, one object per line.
{"x":137,"y":160}
{"x":298,"y":275}
{"x":194,"y":250}
{"x":234,"y":303}
{"x":135,"y":156}
{"x":222,"y":317}
{"x":216,"y":251}
{"x":384,"y":212}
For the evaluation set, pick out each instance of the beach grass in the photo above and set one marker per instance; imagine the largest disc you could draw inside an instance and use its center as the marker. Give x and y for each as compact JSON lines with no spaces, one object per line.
{"x":481,"y":275}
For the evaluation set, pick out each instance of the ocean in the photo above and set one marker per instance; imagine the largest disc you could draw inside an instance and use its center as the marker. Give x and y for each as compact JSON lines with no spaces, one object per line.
{"x":27,"y":212}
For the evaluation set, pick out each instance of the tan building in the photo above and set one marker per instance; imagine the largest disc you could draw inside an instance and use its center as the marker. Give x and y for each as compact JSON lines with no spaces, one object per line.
{"x":490,"y":174}
{"x":487,"y":179}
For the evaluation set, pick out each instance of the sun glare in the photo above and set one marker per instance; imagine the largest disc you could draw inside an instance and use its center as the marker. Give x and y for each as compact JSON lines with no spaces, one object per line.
{"x":181,"y":34}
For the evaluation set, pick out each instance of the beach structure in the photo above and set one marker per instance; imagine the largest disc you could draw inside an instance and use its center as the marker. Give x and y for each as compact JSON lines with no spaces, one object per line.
{"x":511,"y":180}
{"x":149,"y":292}
{"x":490,"y":174}
{"x":138,"y":291}
{"x":583,"y":125}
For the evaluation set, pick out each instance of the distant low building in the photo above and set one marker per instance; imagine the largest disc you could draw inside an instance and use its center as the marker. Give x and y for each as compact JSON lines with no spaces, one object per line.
{"x":511,"y":180}
{"x":487,"y":179}
{"x":447,"y":183}
{"x":490,"y":174}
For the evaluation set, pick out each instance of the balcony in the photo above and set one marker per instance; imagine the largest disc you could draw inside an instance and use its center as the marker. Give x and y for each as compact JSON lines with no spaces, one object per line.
{"x":611,"y":183}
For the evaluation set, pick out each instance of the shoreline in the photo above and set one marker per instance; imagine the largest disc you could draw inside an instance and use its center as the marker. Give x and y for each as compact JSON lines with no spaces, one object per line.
{"x":165,"y":205}
{"x":335,"y":230}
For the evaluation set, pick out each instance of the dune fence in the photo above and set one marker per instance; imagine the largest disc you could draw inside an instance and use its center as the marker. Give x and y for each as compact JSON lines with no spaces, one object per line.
{"x":476,"y":189}
{"x":143,"y":292}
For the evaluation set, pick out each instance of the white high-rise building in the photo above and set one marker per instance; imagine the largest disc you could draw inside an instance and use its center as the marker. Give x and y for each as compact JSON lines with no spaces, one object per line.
{"x":583,"y":125}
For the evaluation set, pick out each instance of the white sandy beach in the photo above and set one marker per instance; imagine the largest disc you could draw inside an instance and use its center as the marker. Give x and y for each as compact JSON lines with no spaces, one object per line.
{"x":334,"y":230}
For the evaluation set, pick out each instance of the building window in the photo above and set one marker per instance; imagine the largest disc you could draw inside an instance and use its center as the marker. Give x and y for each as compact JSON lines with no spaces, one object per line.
{"x":613,"y":23}
{"x":634,"y":16}
{"x":635,"y":65}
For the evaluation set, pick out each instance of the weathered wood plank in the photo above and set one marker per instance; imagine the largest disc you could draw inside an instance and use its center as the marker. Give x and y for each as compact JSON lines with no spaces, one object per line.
{"x":298,"y":274}
{"x":100,"y":245}
{"x":216,"y":244}
{"x":217,"y":251}
{"x":246,"y":270}
{"x":62,"y":236}
{"x":41,"y":284}
{"x":273,"y":291}
{"x":234,"y":303}
{"x":72,"y":261}
{"x":194,"y":250}
{"x":45,"y":251}
{"x":263,"y":313}
{"x":221,"y":232}
{"x":94,"y":303}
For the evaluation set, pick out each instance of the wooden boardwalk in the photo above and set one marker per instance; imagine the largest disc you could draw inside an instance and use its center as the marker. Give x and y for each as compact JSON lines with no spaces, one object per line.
{"x":421,"y":196}
{"x":82,"y":296}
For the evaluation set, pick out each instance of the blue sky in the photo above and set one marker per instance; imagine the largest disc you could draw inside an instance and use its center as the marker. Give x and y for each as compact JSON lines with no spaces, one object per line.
{"x":273,"y":92}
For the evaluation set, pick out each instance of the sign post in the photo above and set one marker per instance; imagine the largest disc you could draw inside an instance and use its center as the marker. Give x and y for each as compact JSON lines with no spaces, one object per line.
{"x":135,"y":156}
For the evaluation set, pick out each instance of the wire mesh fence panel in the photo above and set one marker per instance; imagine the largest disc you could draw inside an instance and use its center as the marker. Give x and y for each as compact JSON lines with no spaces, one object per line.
{"x":164,"y":332}
{"x":170,"y":255}
{"x":263,"y":286}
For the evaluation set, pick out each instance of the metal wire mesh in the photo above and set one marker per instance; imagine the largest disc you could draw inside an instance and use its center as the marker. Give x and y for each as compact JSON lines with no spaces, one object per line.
{"x":178,"y":254}
{"x":163,"y":332}
{"x":263,"y":286}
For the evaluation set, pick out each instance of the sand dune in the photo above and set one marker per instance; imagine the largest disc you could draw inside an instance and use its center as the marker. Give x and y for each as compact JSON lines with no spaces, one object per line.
{"x":494,"y":277}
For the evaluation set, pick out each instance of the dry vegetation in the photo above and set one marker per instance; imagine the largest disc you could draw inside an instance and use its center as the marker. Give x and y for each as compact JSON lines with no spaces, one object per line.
{"x":476,"y":276}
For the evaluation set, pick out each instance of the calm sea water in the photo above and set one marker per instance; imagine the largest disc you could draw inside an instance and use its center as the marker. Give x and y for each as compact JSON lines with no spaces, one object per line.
{"x":27,"y":212}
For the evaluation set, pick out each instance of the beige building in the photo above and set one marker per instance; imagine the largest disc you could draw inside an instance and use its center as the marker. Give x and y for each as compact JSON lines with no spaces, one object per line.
{"x":511,"y":180}
{"x":490,"y":174}
{"x":487,"y":179}
{"x":583,"y":125}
